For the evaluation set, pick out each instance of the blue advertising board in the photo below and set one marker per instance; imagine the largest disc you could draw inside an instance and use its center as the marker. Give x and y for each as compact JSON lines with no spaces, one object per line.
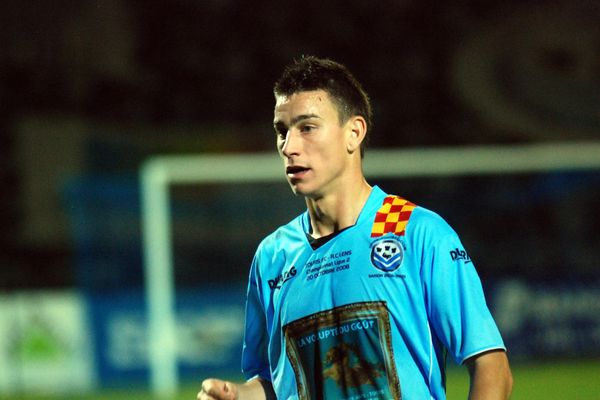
{"x":209,"y":327}
{"x":548,"y":319}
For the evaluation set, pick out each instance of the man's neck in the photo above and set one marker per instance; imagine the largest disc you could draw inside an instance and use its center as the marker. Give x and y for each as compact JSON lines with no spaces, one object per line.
{"x":338,"y":210}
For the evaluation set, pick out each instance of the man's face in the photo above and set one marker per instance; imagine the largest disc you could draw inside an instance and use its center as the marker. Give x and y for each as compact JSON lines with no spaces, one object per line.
{"x":311,"y":142}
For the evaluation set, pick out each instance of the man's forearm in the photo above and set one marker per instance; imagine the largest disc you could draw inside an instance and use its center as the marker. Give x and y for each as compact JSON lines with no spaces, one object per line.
{"x":491,"y":378}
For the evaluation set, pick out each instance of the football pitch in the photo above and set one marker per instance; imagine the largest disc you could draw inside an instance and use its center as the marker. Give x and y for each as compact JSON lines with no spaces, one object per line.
{"x":573,"y":380}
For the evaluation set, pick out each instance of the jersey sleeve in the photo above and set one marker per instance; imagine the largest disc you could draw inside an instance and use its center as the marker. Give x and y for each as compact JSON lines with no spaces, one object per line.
{"x":457,"y":308}
{"x":255,"y":360}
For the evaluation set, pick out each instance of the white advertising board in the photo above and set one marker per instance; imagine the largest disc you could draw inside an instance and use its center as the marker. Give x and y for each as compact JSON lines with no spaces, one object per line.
{"x":45,"y":343}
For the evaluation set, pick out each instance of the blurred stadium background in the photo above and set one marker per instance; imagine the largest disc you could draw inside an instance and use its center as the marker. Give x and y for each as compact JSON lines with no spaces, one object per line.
{"x":91,"y":89}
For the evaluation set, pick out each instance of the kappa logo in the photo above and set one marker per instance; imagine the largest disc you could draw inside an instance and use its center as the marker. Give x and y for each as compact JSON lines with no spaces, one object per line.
{"x":281,"y":279}
{"x":387,"y":254}
{"x":460,"y":254}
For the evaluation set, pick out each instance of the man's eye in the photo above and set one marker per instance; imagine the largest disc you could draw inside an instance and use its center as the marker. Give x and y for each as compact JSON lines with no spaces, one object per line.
{"x":281,"y":132}
{"x":307,"y":128}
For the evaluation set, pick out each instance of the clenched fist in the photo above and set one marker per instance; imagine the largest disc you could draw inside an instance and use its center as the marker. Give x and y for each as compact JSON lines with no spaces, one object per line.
{"x":216,"y":389}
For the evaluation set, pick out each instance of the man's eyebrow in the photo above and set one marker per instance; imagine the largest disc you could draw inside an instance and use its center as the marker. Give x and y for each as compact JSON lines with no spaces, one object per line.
{"x":295,"y":120}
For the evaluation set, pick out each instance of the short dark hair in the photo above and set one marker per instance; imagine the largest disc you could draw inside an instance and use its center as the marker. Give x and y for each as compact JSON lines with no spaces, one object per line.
{"x":313,"y":73}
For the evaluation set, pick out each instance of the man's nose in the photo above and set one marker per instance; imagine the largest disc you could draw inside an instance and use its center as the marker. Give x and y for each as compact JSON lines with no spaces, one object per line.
{"x":291,"y":145}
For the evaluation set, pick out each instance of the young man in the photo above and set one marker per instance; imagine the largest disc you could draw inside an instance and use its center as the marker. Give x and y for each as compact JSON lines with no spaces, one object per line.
{"x":361,"y":296}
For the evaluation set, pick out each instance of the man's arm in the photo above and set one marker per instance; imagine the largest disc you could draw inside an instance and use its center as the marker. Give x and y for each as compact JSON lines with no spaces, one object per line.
{"x":217,"y":389}
{"x":490,"y":374}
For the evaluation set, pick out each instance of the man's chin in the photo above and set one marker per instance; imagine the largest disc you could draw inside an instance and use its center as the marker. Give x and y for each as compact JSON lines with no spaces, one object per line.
{"x":296,"y":191}
{"x":307,"y":194}
{"x":299,"y":190}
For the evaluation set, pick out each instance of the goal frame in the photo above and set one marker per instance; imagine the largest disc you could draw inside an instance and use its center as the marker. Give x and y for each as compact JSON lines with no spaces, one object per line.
{"x":159,"y":173}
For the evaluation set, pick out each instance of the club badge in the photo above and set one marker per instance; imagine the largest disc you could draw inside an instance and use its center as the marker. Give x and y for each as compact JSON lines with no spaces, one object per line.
{"x":387,"y":254}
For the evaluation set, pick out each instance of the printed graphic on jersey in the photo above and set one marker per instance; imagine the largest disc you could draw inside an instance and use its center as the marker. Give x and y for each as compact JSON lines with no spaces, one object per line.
{"x":392,"y":217}
{"x":281,"y":279}
{"x":387,"y":254}
{"x":328,"y":264}
{"x":460,"y":254}
{"x":344,"y":353}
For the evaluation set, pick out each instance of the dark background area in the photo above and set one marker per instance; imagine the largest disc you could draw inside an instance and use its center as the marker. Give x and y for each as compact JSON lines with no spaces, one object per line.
{"x":89,"y":89}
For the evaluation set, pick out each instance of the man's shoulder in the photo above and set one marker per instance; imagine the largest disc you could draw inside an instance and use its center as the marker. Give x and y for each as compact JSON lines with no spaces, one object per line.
{"x":406,"y":217}
{"x":428,"y":224}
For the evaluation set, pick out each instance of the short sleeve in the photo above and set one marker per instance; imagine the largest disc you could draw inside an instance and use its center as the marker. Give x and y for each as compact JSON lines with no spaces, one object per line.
{"x":255,"y":360}
{"x":456,"y":305}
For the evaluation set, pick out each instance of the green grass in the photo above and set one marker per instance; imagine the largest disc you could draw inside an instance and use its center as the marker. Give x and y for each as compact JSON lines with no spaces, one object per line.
{"x":573,"y":380}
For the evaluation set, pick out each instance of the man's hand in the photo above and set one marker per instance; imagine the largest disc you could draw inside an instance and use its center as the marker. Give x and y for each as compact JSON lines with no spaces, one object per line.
{"x":217,"y":389}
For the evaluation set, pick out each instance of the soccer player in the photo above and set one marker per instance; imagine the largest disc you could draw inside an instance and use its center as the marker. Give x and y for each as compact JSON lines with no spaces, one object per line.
{"x":364,"y":294}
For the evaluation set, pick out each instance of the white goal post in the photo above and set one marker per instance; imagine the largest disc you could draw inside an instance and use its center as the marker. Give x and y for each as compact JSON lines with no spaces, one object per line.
{"x":160,"y":172}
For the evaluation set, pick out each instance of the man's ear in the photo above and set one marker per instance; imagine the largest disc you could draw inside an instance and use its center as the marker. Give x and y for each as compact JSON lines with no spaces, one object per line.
{"x":357,"y":131}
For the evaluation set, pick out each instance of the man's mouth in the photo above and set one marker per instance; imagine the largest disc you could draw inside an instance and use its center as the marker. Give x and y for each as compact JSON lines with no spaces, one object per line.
{"x":295,"y":171}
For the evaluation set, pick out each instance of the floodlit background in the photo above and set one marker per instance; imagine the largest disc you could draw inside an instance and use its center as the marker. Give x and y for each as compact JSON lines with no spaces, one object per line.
{"x":91,"y":89}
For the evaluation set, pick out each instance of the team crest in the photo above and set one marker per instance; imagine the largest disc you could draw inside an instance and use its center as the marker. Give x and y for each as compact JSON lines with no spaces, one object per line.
{"x":387,"y":254}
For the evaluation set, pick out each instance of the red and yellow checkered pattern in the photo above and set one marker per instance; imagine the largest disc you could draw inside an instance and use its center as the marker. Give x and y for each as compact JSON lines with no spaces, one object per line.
{"x":392,"y":217}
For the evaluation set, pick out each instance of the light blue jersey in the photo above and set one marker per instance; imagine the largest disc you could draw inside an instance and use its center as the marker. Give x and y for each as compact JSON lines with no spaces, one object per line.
{"x":369,"y":314}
